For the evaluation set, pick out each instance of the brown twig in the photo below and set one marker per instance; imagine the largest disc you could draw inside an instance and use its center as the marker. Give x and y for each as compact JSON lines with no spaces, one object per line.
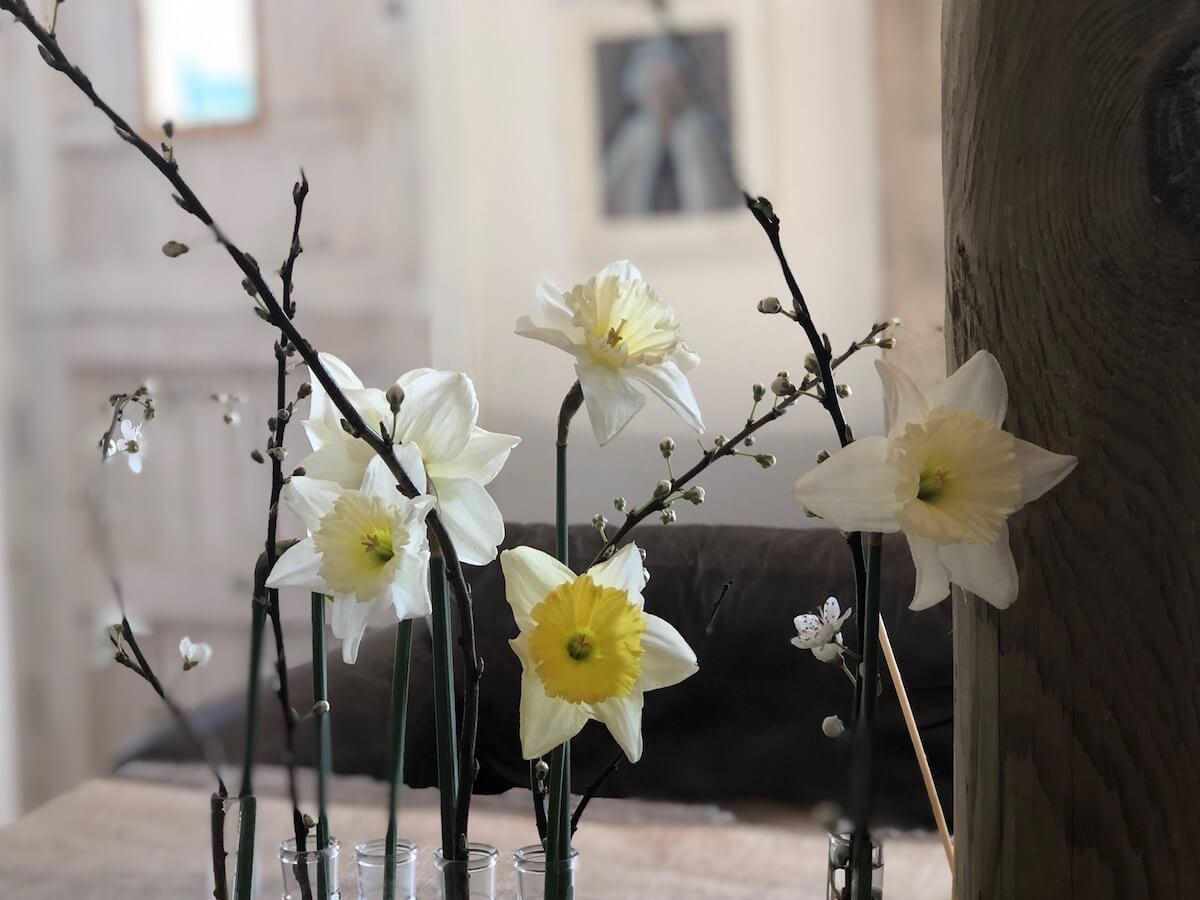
{"x":272,"y":311}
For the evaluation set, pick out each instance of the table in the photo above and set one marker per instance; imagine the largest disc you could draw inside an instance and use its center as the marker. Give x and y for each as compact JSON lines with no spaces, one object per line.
{"x":136,"y":840}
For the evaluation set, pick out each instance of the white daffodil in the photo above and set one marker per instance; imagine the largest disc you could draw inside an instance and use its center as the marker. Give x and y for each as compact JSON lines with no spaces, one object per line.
{"x":946,"y":475}
{"x":366,"y":549}
{"x":587,"y":649}
{"x":130,"y":443}
{"x":822,"y":634}
{"x":194,"y":654}
{"x":437,"y":417}
{"x":621,"y":334}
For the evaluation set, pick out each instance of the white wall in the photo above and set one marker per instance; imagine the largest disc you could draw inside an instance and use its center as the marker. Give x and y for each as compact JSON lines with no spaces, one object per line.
{"x":503,"y":89}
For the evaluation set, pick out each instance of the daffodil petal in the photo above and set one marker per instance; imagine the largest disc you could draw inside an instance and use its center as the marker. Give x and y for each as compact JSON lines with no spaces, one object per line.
{"x":933,"y":580}
{"x":553,"y":309}
{"x":311,"y":499}
{"x":546,"y":722}
{"x":667,"y":381}
{"x":1040,"y":469}
{"x":685,"y":358}
{"x":610,"y":398}
{"x":320,"y":407}
{"x":622,"y":269}
{"x":903,"y":401}
{"x":471,"y":517}
{"x":412,"y":375}
{"x":986,"y":570}
{"x":855,"y":489}
{"x":554,"y":337}
{"x":623,"y":718}
{"x":410,"y":588}
{"x":666,"y":659}
{"x":438,"y":413}
{"x":529,"y":575}
{"x":623,"y":571}
{"x":481,"y":460}
{"x":409,"y":457}
{"x":340,"y":461}
{"x":299,"y":566}
{"x":977,"y":386}
{"x":348,"y":620}
{"x":378,"y":481}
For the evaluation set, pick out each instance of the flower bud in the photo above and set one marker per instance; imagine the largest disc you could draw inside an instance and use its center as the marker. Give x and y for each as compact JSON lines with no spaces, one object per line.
{"x":667,"y":516}
{"x":299,"y":472}
{"x":257,"y":456}
{"x":896,"y":322}
{"x":759,"y":391}
{"x":542,"y":769}
{"x":303,"y":391}
{"x":720,"y":440}
{"x":811,"y":364}
{"x":822,"y":456}
{"x":321,"y":707}
{"x":599,"y":522}
{"x":766,"y":460}
{"x":769,"y":306}
{"x":620,"y":504}
{"x":666,"y":446}
{"x":231,"y":417}
{"x":832,"y":726}
{"x":395,"y":397}
{"x":277,"y":453}
{"x":662,"y":488}
{"x":749,"y":441}
{"x":843,"y":391}
{"x":782,"y":385}
{"x":284,"y":414}
{"x":886,"y":343}
{"x":694,"y":495}
{"x":173,"y":249}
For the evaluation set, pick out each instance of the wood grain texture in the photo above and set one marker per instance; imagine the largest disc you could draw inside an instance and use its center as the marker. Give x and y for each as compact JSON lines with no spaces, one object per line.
{"x":1070,"y":167}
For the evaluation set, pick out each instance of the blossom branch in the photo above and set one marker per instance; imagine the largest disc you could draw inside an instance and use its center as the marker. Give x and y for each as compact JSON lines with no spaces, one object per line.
{"x":656,"y":504}
{"x":272,"y":311}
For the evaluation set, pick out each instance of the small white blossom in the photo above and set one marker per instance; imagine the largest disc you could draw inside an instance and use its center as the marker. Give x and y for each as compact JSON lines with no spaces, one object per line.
{"x":130,"y":443}
{"x":194,"y":654}
{"x":822,"y":634}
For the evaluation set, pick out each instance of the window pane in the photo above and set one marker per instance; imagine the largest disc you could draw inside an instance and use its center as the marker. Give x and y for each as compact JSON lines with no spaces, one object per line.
{"x":200,"y":61}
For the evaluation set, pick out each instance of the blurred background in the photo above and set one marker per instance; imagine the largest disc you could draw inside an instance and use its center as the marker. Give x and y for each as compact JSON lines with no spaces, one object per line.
{"x":458,"y":152}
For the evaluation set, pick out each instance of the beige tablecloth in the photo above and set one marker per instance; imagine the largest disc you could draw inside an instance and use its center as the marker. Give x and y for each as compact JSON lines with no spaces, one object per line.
{"x":136,"y":840}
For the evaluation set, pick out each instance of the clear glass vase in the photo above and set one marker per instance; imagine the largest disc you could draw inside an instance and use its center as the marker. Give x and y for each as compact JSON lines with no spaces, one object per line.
{"x":473,"y":878}
{"x":370,"y":858}
{"x":532,"y":872}
{"x":839,"y":868}
{"x":311,"y":874}
{"x":232,"y":824}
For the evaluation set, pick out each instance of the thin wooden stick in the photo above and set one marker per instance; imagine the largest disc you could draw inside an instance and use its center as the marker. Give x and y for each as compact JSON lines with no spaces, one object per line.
{"x":918,"y":747}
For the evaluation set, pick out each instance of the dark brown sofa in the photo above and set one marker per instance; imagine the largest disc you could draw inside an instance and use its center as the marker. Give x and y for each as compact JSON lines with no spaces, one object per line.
{"x":745,"y":728}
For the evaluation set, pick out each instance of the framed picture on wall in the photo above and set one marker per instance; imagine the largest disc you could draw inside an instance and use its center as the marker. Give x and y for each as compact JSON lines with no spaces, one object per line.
{"x":663,"y":126}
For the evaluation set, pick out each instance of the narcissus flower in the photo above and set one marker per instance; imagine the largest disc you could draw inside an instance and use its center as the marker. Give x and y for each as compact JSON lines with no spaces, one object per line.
{"x":366,"y":549}
{"x":621,"y":335}
{"x":437,"y":416}
{"x":946,"y":475}
{"x":822,"y":634}
{"x":587,"y":648}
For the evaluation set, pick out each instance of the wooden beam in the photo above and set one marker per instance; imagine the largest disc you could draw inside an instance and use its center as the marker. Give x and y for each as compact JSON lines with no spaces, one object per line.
{"x":1072,"y":192}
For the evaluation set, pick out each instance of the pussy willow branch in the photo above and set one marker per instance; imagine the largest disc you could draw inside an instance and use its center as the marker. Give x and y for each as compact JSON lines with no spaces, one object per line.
{"x":273,"y":311}
{"x":281,"y":418}
{"x":639,"y":514}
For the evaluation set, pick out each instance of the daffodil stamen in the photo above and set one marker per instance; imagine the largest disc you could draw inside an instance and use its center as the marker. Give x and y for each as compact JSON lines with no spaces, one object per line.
{"x":378,"y":545}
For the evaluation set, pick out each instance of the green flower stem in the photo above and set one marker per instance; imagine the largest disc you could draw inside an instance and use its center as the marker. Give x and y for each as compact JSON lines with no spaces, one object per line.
{"x":400,"y":668}
{"x":558,"y":836}
{"x":861,"y":771}
{"x":445,"y":726}
{"x":245,"y":847}
{"x":324,"y":740}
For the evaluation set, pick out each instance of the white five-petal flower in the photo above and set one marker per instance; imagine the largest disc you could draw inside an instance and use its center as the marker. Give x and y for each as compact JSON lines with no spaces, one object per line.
{"x":946,"y":475}
{"x":822,"y":634}
{"x":130,"y":443}
{"x":367,"y":549}
{"x":438,"y":436}
{"x":621,"y":335}
{"x":194,"y":654}
{"x":588,"y":650}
